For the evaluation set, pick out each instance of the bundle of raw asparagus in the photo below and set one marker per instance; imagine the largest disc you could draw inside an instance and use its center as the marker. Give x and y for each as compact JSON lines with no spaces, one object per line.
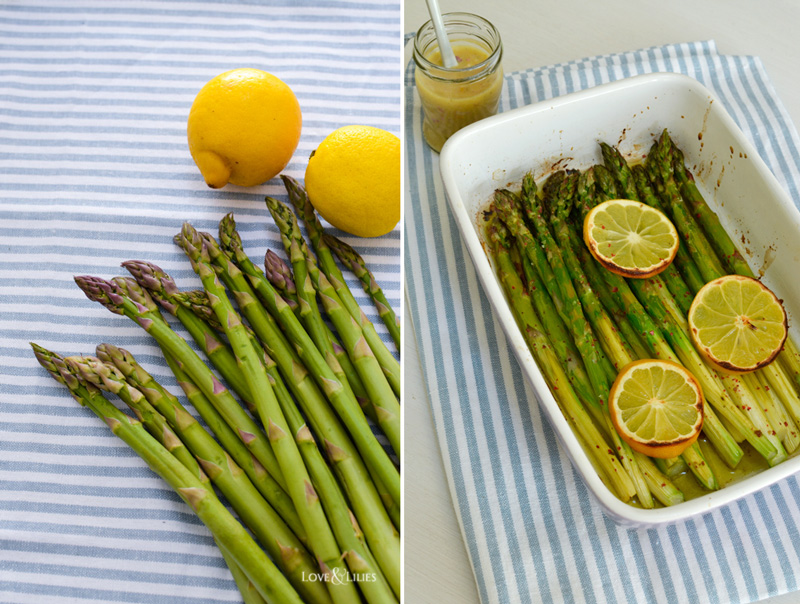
{"x":584,"y":323}
{"x":303,"y":470}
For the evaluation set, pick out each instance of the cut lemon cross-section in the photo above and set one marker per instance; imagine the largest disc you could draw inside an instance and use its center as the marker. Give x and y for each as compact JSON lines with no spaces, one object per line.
{"x":737,"y":323}
{"x":657,"y":407}
{"x":630,"y":238}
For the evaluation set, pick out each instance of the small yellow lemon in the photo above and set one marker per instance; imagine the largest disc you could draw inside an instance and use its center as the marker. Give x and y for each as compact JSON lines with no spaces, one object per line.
{"x":244,"y":126}
{"x":353,"y":180}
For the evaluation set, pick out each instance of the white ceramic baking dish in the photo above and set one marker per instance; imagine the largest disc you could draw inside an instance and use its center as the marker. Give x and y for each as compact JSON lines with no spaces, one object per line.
{"x":759,"y":215}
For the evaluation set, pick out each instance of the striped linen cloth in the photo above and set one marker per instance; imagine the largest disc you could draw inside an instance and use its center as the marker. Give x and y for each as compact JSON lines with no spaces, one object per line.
{"x":533,"y":531}
{"x":94,"y":170}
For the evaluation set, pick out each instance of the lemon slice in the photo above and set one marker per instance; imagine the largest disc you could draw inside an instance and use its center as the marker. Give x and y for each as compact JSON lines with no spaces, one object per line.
{"x":657,"y":407}
{"x":737,"y":323}
{"x":630,"y":238}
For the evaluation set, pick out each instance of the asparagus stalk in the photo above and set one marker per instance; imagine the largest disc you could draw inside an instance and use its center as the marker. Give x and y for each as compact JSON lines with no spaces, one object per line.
{"x":276,"y":271}
{"x":279,"y":276}
{"x":605,"y":188}
{"x":340,"y":397}
{"x":553,"y":326}
{"x":199,"y":303}
{"x":718,"y":237}
{"x":655,"y":297}
{"x":353,"y":335}
{"x":686,"y":266}
{"x":170,"y":441}
{"x":582,"y":201}
{"x":560,"y":201}
{"x":626,"y":187}
{"x":717,"y":433}
{"x":362,"y":563}
{"x":353,"y":260}
{"x":257,"y":567}
{"x":659,"y":483}
{"x":309,"y":313}
{"x":306,"y":501}
{"x":531,"y":328}
{"x":672,"y":467}
{"x":364,"y":497}
{"x":249,"y":592}
{"x":163,"y":288}
{"x":561,"y":342}
{"x":299,"y":199}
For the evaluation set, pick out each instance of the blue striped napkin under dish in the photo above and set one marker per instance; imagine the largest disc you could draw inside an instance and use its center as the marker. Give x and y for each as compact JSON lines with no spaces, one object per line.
{"x":533,"y":531}
{"x":95,"y":170}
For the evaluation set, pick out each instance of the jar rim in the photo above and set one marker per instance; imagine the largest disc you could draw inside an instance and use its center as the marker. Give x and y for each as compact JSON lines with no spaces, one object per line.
{"x":493,"y":57}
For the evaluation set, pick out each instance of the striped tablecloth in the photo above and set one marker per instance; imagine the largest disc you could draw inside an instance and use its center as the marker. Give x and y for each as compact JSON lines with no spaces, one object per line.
{"x":94,"y":170}
{"x":533,"y":531}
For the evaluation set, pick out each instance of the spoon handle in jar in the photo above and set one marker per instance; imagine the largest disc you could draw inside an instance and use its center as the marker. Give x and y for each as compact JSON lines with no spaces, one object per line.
{"x":448,"y":58}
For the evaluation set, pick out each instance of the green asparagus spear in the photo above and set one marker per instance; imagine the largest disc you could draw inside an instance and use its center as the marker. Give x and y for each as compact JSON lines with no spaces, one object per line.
{"x":199,"y":303}
{"x":299,"y":199}
{"x":505,"y":206}
{"x":617,"y":350}
{"x":637,"y":188}
{"x":561,"y":204}
{"x":659,"y":484}
{"x":353,"y":260}
{"x":656,"y":340}
{"x":359,"y":559}
{"x":686,"y":266}
{"x":276,"y":270}
{"x":279,"y":276}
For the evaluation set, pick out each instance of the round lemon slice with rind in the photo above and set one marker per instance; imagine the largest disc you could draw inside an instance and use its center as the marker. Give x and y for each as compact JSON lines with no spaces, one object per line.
{"x":656,"y":407}
{"x":630,"y":238}
{"x":738,"y":324}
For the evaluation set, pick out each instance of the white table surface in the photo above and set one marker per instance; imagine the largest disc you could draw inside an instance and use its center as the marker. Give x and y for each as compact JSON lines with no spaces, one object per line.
{"x":437,"y":569}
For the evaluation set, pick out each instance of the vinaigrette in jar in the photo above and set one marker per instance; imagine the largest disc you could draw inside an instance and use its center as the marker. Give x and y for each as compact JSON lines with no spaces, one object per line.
{"x":456,"y":97}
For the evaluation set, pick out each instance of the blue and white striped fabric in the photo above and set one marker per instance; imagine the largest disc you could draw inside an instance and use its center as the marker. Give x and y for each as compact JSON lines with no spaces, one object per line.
{"x":533,"y":531}
{"x":94,"y":170}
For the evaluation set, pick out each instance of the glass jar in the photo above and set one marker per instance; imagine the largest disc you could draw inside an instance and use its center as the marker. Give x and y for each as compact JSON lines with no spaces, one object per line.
{"x":455,"y":97}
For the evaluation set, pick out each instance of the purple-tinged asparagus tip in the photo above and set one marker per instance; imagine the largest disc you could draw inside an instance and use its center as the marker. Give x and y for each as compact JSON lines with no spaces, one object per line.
{"x":152,"y":277}
{"x":131,"y":289}
{"x":228,"y":234}
{"x":272,"y":269}
{"x":49,"y":360}
{"x":100,"y":290}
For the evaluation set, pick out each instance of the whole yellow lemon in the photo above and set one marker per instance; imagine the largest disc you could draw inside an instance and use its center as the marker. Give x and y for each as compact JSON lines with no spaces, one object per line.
{"x":353,"y":180}
{"x":244,"y":126}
